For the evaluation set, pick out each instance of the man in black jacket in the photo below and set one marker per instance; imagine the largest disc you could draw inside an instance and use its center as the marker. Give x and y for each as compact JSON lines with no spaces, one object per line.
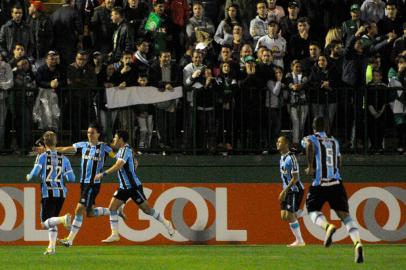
{"x":68,"y":31}
{"x":136,"y":14}
{"x":41,"y":29}
{"x":123,"y":37}
{"x":102,"y":27}
{"x":165,"y":75}
{"x":15,"y":30}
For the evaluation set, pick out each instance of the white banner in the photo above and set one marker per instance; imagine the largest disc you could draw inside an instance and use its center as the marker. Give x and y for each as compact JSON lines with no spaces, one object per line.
{"x":135,"y":95}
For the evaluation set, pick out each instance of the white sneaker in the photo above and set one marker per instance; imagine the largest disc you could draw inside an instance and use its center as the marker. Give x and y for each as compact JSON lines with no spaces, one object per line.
{"x":67,"y":220}
{"x":297,"y":244}
{"x":169,"y":227}
{"x":49,"y":251}
{"x":111,"y":238}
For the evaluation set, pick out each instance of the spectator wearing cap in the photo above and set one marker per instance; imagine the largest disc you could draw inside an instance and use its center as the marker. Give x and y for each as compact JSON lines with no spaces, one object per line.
{"x":102,"y":28}
{"x":49,"y":75}
{"x":251,"y":104}
{"x":247,"y":8}
{"x":350,"y":27}
{"x":288,"y":24}
{"x":259,"y":25}
{"x":6,"y":82}
{"x":372,"y":10}
{"x":82,"y":81}
{"x":399,"y":47}
{"x":15,"y":31}
{"x":299,"y":43}
{"x":275,"y":43}
{"x":123,"y":37}
{"x":68,"y":31}
{"x":41,"y":29}
{"x":199,"y":28}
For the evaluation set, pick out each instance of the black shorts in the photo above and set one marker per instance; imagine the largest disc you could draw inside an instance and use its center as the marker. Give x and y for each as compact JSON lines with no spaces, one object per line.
{"x":292,"y":201}
{"x":88,"y":194}
{"x":136,"y":194}
{"x":51,"y":207}
{"x":335,"y":196}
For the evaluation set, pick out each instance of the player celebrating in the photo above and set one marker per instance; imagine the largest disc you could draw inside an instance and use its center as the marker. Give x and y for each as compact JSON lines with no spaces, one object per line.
{"x":323,"y":152}
{"x":53,"y":166}
{"x":93,"y":155}
{"x":292,"y":193}
{"x":130,"y":187}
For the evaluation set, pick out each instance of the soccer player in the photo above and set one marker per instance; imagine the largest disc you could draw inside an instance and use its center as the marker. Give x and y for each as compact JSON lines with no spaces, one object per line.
{"x":130,"y":187}
{"x":324,"y":162}
{"x":93,"y":155}
{"x":292,"y":193}
{"x":53,"y":167}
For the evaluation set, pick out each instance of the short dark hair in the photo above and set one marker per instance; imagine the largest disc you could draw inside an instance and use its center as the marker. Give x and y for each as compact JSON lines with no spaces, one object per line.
{"x":303,"y":20}
{"x":119,"y":11}
{"x":123,"y":135}
{"x":165,"y":51}
{"x":16,"y":6}
{"x":18,"y":44}
{"x":96,"y":126}
{"x":318,"y":123}
{"x":314,"y":43}
{"x":286,"y":138}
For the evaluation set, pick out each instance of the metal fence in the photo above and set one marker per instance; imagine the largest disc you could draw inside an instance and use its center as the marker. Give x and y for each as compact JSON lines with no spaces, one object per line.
{"x":240,"y":122}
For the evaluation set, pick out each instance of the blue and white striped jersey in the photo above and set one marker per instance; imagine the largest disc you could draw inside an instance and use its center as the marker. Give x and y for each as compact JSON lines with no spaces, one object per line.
{"x":288,"y":165}
{"x":126,"y":174}
{"x":93,"y":157}
{"x":53,"y":167}
{"x":326,"y":159}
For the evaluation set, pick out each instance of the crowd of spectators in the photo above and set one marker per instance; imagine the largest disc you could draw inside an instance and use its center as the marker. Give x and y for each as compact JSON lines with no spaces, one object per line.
{"x":248,"y":69}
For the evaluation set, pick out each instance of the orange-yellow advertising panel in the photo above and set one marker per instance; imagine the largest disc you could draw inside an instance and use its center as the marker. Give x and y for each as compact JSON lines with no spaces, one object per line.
{"x":206,"y":213}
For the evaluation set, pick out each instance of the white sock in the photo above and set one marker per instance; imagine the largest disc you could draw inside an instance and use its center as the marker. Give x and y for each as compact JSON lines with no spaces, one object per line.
{"x":155,"y":214}
{"x":352,"y":229}
{"x":114,"y":222}
{"x":76,"y":224}
{"x":52,"y":222}
{"x":295,"y":227}
{"x":52,"y":234}
{"x":319,"y":219}
{"x":101,"y":211}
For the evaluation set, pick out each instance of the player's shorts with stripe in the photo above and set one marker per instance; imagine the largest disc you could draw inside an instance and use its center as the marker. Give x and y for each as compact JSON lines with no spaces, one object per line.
{"x":136,"y":194}
{"x":51,"y":207}
{"x":292,"y":201}
{"x":88,"y":194}
{"x":335,"y":195}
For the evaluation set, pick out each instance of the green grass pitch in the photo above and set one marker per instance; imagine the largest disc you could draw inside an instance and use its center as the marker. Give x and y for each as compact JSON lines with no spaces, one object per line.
{"x":181,"y":257}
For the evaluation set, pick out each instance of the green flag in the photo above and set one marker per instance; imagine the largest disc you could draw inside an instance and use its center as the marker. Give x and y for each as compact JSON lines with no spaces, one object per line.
{"x":153,"y":22}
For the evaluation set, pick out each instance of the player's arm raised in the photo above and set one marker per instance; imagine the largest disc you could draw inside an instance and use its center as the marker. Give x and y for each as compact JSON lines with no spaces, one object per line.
{"x":117,"y":166}
{"x":66,"y":149}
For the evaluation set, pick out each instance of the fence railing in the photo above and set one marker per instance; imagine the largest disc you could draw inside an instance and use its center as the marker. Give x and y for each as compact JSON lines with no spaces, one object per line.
{"x":210,"y":121}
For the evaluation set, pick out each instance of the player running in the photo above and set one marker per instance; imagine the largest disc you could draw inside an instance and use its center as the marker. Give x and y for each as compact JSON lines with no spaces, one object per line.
{"x":130,"y":187}
{"x":292,"y":193}
{"x":324,"y":162}
{"x":93,"y":153}
{"x":53,"y":167}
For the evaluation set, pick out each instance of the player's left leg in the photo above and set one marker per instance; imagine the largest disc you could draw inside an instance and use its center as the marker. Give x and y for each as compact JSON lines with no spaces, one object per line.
{"x":295,"y":228}
{"x":158,"y":216}
{"x":115,"y":204}
{"x":353,"y":231}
